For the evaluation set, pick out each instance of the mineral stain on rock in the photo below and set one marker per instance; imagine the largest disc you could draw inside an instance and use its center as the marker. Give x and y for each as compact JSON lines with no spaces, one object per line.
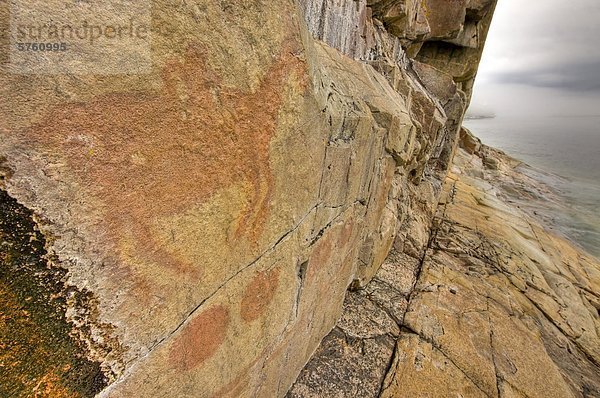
{"x":38,"y":354}
{"x":173,"y":149}
{"x":200,"y":339}
{"x":259,"y":294}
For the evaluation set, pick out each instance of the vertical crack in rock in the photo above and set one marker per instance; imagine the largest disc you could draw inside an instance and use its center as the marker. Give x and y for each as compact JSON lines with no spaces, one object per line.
{"x":407,"y":331}
{"x":302,"y":267}
{"x":482,"y":315}
{"x":389,"y":372}
{"x":493,"y":351}
{"x":219,"y":207}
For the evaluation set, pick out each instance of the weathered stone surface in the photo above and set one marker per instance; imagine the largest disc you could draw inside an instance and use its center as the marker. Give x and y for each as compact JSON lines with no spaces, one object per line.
{"x":216,"y":209}
{"x":446,"y":18}
{"x":476,"y":9}
{"x":469,"y":142}
{"x":405,"y":19}
{"x":38,"y":353}
{"x":498,"y":306}
{"x":459,"y":55}
{"x":364,"y":363}
{"x":419,"y":369}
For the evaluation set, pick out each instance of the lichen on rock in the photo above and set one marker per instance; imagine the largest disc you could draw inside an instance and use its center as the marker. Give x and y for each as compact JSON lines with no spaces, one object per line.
{"x":41,"y":350}
{"x":204,"y":221}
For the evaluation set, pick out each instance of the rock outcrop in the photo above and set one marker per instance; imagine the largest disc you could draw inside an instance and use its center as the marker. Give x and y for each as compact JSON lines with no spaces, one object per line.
{"x":496,"y":307}
{"x":192,"y":229}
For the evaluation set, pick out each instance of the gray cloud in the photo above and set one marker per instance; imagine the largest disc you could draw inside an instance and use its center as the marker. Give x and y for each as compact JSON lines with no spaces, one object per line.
{"x":582,"y":77}
{"x":542,"y":56}
{"x":544,"y":43}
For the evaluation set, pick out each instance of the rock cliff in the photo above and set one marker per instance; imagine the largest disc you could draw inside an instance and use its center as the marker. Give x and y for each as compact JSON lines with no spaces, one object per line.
{"x":192,"y":229}
{"x":496,"y":307}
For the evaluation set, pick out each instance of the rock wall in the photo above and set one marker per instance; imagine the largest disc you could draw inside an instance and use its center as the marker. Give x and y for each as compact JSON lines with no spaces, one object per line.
{"x":498,"y":306}
{"x":214,"y":209}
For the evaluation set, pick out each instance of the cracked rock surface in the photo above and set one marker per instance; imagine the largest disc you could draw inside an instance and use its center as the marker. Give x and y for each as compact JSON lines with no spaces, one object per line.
{"x":497,"y":307}
{"x":216,"y":208}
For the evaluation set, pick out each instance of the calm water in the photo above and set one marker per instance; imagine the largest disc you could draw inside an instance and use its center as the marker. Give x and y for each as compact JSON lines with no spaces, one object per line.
{"x":566,"y":146}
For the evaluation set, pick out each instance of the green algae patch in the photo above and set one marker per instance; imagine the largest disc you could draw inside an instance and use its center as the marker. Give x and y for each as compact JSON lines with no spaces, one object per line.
{"x":39,"y":355}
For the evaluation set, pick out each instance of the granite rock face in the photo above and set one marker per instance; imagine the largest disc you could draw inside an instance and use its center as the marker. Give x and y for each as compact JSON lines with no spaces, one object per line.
{"x":496,"y":307}
{"x":203,"y":220}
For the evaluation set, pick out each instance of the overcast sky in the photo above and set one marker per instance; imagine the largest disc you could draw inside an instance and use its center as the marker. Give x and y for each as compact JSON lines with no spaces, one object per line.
{"x":542,"y":57}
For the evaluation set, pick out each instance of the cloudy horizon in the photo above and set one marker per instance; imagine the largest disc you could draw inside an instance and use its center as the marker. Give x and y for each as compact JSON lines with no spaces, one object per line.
{"x":541,"y":58}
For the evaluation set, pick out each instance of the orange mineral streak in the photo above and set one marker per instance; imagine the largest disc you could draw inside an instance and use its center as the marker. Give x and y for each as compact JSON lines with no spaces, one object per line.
{"x":346,"y":234}
{"x":200,"y":339}
{"x":259,"y":294}
{"x":320,"y":256}
{"x":147,"y":156}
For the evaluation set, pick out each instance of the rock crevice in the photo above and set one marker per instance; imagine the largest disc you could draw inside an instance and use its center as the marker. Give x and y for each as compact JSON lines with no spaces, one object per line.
{"x":482,"y":318}
{"x":277,"y":153}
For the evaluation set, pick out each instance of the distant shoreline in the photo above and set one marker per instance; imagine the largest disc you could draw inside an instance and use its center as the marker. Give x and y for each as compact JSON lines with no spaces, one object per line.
{"x":479,"y":117}
{"x":561,"y":171}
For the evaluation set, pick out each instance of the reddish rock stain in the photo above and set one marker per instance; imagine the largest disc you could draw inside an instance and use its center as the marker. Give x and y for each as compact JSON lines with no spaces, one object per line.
{"x":346,"y":234}
{"x":147,"y":156}
{"x":259,"y":294}
{"x":320,"y":256}
{"x":200,"y":339}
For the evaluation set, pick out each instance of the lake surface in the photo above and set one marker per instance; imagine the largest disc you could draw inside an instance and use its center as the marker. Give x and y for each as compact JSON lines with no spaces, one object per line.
{"x":566,"y":146}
